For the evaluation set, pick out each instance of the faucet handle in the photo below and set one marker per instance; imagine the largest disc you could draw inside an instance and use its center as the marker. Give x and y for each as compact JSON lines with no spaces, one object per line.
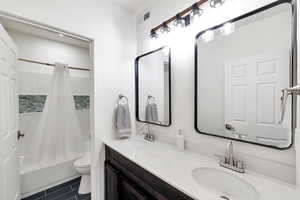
{"x":240,"y":164}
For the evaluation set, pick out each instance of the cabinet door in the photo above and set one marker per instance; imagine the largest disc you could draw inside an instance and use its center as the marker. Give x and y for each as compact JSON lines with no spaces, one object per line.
{"x":111,"y":183}
{"x":129,"y":192}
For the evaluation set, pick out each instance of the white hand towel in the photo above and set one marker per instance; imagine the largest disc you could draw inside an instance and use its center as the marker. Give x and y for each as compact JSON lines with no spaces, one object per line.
{"x":123,"y":121}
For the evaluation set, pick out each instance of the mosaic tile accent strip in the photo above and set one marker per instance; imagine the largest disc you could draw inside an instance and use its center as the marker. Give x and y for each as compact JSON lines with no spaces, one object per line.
{"x":31,"y":103}
{"x":36,"y":103}
{"x":64,"y":191}
{"x":82,"y":102}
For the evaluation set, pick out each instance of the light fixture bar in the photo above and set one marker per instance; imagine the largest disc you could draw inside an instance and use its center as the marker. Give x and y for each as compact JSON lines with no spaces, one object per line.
{"x":182,"y":13}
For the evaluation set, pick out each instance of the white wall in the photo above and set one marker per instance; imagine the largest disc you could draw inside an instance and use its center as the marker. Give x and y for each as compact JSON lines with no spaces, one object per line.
{"x":264,"y":160}
{"x":112,"y":29}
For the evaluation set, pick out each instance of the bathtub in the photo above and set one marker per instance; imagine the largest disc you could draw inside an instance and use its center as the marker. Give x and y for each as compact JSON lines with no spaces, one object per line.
{"x":38,"y":178}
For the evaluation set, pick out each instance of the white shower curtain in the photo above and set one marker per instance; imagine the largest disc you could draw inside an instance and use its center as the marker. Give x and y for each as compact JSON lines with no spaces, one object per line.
{"x":59,"y":133}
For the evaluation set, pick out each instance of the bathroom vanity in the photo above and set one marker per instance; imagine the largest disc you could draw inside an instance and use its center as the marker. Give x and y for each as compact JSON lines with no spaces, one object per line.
{"x":137,"y":169}
{"x":126,"y":180}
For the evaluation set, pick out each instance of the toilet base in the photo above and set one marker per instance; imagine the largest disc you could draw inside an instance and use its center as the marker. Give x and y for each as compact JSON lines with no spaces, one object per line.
{"x":85,"y":184}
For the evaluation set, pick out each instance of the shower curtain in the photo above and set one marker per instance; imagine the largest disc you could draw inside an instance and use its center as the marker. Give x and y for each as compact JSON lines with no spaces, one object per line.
{"x":59,"y":134}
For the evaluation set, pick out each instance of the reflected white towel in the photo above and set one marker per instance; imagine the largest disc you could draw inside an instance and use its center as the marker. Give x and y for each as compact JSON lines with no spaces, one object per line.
{"x":151,"y":113}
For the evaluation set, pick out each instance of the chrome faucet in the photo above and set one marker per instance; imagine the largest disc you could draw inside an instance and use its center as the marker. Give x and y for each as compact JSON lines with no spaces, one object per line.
{"x":230,"y":162}
{"x":148,"y":135}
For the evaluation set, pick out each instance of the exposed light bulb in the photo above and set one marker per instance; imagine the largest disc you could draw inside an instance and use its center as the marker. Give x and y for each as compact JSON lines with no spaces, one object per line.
{"x":208,"y":36}
{"x":165,"y":28}
{"x":196,"y":12}
{"x":216,"y":3}
{"x":228,"y":28}
{"x":153,"y":35}
{"x":179,"y":22}
{"x":61,"y":35}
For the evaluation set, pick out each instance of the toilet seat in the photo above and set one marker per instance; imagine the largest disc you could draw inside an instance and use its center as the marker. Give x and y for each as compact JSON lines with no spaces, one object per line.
{"x":83,"y":162}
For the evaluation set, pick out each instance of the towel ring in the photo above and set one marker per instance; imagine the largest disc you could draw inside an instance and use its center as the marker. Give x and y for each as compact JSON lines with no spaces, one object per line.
{"x":122,"y":97}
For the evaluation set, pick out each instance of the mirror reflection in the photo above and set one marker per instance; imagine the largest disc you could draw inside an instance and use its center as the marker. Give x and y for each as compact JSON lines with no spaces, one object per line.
{"x":241,"y":71}
{"x":153,"y":87}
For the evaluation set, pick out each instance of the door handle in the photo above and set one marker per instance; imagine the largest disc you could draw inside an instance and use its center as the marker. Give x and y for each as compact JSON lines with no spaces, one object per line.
{"x":20,"y":134}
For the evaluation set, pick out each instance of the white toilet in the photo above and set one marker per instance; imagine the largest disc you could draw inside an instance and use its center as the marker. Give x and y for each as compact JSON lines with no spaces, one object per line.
{"x":83,"y":167}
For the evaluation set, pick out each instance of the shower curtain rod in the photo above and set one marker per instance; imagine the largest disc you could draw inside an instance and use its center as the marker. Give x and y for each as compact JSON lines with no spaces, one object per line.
{"x":49,"y":64}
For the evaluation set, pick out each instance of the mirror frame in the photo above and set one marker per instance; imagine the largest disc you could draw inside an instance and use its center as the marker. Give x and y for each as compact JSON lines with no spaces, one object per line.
{"x":137,"y":87}
{"x":293,"y":68}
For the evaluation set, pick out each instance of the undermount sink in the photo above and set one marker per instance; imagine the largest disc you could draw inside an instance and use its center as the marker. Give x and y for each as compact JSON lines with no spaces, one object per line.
{"x":225,"y":186}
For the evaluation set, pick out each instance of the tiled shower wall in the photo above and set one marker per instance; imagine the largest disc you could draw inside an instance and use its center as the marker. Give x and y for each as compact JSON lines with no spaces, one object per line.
{"x":36,"y":103}
{"x":33,"y":91}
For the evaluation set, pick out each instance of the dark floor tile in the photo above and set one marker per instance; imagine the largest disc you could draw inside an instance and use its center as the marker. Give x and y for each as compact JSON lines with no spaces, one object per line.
{"x":64,"y":191}
{"x":59,"y":192}
{"x":72,"y":198}
{"x":75,"y":186}
{"x":58,"y":187}
{"x":37,"y":196}
{"x":63,"y":196}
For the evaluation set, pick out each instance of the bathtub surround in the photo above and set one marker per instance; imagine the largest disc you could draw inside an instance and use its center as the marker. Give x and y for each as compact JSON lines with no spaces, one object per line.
{"x":260,"y":159}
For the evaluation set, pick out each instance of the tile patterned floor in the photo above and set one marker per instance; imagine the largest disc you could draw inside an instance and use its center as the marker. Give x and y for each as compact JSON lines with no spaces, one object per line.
{"x":64,"y":191}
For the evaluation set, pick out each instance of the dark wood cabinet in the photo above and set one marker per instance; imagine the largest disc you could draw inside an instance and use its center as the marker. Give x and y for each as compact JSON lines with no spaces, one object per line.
{"x":129,"y":192}
{"x":111,"y":183}
{"x":119,"y":187}
{"x":125,"y":180}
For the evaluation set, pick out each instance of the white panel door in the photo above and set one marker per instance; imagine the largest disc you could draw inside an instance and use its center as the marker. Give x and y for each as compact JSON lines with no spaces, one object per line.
{"x":252,"y":97}
{"x":9,"y":158}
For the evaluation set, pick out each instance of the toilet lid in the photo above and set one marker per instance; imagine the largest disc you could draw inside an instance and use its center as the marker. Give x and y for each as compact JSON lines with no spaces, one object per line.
{"x":84,"y":161}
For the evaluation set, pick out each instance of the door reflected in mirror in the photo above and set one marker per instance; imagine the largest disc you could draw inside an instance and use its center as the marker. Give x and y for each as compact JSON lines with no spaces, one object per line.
{"x":153,"y":90}
{"x":242,"y":67}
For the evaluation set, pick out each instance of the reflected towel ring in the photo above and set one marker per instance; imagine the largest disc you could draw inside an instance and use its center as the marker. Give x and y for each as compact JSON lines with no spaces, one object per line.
{"x":150,"y":97}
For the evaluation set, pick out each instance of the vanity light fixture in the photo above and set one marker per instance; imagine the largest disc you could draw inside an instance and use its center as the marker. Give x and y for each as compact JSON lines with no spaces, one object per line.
{"x":184,"y":18}
{"x":180,"y":21}
{"x":165,"y":28}
{"x":153,"y":34}
{"x":228,"y":28}
{"x":216,"y":3}
{"x":208,"y":36}
{"x":196,"y":12}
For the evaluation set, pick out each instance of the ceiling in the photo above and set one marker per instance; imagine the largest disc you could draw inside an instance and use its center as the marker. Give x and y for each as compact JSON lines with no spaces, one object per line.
{"x":39,"y":32}
{"x":134,"y":5}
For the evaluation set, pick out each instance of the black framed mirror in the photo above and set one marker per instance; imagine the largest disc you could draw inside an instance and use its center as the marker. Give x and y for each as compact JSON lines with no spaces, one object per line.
{"x":241,"y":68}
{"x":153,"y":87}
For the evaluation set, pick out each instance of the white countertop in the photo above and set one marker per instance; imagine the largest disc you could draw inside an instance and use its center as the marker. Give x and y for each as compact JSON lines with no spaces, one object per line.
{"x":174,"y":167}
